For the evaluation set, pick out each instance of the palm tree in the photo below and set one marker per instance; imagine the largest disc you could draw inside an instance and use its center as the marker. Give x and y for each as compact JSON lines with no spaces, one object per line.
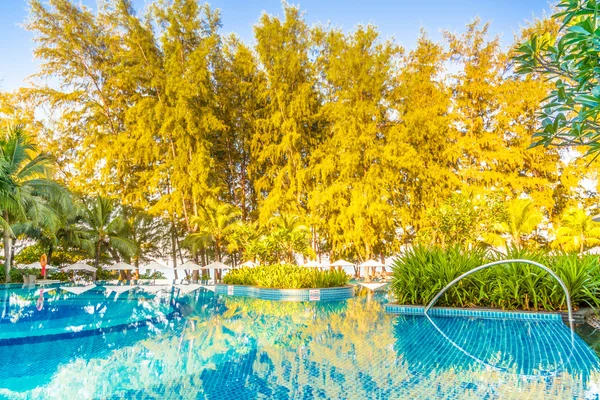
{"x":520,"y":220}
{"x":244,"y":241}
{"x":67,"y":234}
{"x":291,"y":235}
{"x":26,"y":191}
{"x":106,"y":229}
{"x":145,"y":232}
{"x":214,"y":222}
{"x":577,"y":231}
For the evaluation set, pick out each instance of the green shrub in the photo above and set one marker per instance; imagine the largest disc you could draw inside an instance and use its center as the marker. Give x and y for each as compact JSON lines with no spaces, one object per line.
{"x":581,"y":275}
{"x":152,"y":275}
{"x":286,"y":277}
{"x":422,"y":272}
{"x":58,"y":257}
{"x":16,"y":275}
{"x":524,"y":286}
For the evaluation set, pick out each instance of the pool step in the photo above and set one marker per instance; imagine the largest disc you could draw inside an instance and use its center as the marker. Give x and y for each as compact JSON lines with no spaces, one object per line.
{"x":579,"y":316}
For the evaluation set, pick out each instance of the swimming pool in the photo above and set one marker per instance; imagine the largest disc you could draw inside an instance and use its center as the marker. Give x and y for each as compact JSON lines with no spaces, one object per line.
{"x":138,"y":344}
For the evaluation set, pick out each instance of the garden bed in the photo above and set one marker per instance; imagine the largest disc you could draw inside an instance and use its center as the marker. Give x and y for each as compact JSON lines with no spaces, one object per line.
{"x":421,"y":272}
{"x":286,"y":276}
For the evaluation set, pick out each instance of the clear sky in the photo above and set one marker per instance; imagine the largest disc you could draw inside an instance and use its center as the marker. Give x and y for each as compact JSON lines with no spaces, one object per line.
{"x":400,"y":19}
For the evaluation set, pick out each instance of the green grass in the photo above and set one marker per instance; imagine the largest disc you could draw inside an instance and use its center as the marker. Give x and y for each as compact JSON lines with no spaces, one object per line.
{"x":423,"y":271}
{"x":286,"y":277}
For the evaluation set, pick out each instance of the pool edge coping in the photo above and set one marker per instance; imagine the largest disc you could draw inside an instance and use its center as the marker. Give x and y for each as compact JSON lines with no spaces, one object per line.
{"x":409,"y":309}
{"x":295,"y":295}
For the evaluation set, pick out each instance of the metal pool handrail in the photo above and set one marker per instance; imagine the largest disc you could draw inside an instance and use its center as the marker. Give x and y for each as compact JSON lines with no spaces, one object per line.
{"x":548,"y":270}
{"x":502,"y":369}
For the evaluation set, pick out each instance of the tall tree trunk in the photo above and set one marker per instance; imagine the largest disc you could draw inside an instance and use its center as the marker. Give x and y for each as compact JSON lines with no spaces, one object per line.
{"x":368,"y":269}
{"x":7,"y":260}
{"x":97,"y":261}
{"x":243,"y":199}
{"x":128,"y":272}
{"x":203,"y":260}
{"x":49,"y":255}
{"x":180,"y":252}
{"x":218,"y":251}
{"x":174,"y":245}
{"x":185,"y":215}
{"x":13,"y":242}
{"x":195,"y":274}
{"x":137,"y":267}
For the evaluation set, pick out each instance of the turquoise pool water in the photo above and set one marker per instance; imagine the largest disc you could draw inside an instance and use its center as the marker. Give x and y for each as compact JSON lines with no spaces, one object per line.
{"x":142,"y":345}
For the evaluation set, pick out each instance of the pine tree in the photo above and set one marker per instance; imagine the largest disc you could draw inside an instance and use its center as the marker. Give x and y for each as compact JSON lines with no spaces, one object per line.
{"x":495,"y":112}
{"x":351,"y":198}
{"x":288,"y":130}
{"x":422,"y":171}
{"x":239,"y":86}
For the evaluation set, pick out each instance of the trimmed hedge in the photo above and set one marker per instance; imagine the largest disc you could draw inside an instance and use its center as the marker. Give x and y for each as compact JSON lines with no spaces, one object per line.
{"x":286,"y":277}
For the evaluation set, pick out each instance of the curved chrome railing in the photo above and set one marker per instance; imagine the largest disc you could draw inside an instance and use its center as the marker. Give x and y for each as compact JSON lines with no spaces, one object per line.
{"x":503,"y":369}
{"x":548,"y":270}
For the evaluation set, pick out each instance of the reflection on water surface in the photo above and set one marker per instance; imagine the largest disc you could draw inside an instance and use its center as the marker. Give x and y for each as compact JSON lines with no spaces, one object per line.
{"x":143,"y":345}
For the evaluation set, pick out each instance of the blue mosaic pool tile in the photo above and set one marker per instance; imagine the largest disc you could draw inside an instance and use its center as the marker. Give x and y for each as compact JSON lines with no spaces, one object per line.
{"x":228,"y":347}
{"x":461,"y":312}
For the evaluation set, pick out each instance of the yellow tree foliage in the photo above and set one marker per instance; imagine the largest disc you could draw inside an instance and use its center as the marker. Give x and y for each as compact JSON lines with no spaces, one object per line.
{"x":420,"y":164}
{"x":350,"y":195}
{"x":287,"y":132}
{"x":338,"y":128}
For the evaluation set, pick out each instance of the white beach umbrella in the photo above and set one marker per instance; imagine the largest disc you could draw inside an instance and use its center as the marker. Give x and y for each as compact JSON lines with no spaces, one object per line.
{"x":249,"y":264}
{"x":34,"y":265}
{"x":79,"y":267}
{"x":120,"y":266}
{"x":190,"y":266}
{"x":77,"y":289}
{"x":217,"y":265}
{"x":156,"y":266}
{"x":371,"y":263}
{"x":341,"y":263}
{"x":593,"y":251}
